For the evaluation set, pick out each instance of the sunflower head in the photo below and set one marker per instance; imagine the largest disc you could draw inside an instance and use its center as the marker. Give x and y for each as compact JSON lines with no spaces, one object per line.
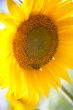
{"x":35,"y":42}
{"x":36,"y":48}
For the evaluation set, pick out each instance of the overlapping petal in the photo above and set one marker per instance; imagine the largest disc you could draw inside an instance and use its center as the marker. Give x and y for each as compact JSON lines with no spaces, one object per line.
{"x":15,"y":12}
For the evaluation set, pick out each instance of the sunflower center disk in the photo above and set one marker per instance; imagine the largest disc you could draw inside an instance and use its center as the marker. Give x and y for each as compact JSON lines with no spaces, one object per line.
{"x":35,"y":42}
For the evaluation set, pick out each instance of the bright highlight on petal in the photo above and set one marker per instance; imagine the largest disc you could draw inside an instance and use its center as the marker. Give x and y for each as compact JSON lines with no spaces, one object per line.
{"x":2,"y":26}
{"x":36,"y":49}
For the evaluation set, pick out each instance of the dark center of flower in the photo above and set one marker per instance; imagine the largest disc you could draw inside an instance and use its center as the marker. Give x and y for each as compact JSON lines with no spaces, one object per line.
{"x":35,"y":42}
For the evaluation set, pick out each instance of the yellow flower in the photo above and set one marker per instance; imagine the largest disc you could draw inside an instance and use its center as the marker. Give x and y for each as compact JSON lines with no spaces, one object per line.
{"x":36,"y":47}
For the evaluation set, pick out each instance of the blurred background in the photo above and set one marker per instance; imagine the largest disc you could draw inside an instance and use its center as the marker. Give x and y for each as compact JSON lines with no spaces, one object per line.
{"x":56,"y":101}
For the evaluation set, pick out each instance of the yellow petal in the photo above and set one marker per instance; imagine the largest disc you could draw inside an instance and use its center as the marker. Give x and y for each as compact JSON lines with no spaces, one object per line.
{"x":65,"y":22}
{"x":64,"y":57}
{"x":15,"y":104}
{"x":7,"y":20}
{"x":38,"y":83}
{"x":10,"y":24}
{"x":53,"y":79}
{"x":65,"y":34}
{"x":33,"y":95}
{"x":63,"y":11}
{"x":18,"y":84}
{"x":64,"y":53}
{"x":5,"y":49}
{"x":6,"y":38}
{"x":27,"y":7}
{"x":37,"y":6}
{"x":3,"y":16}
{"x":15,"y":11}
{"x":59,"y":71}
{"x":51,"y":7}
{"x":47,"y":79}
{"x":23,"y":103}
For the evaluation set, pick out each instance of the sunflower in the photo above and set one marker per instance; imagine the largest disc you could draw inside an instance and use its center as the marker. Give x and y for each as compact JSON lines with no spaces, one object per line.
{"x":36,"y":47}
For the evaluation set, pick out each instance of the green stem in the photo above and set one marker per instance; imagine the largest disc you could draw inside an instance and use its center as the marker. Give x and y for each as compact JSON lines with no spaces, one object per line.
{"x":66,"y":94}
